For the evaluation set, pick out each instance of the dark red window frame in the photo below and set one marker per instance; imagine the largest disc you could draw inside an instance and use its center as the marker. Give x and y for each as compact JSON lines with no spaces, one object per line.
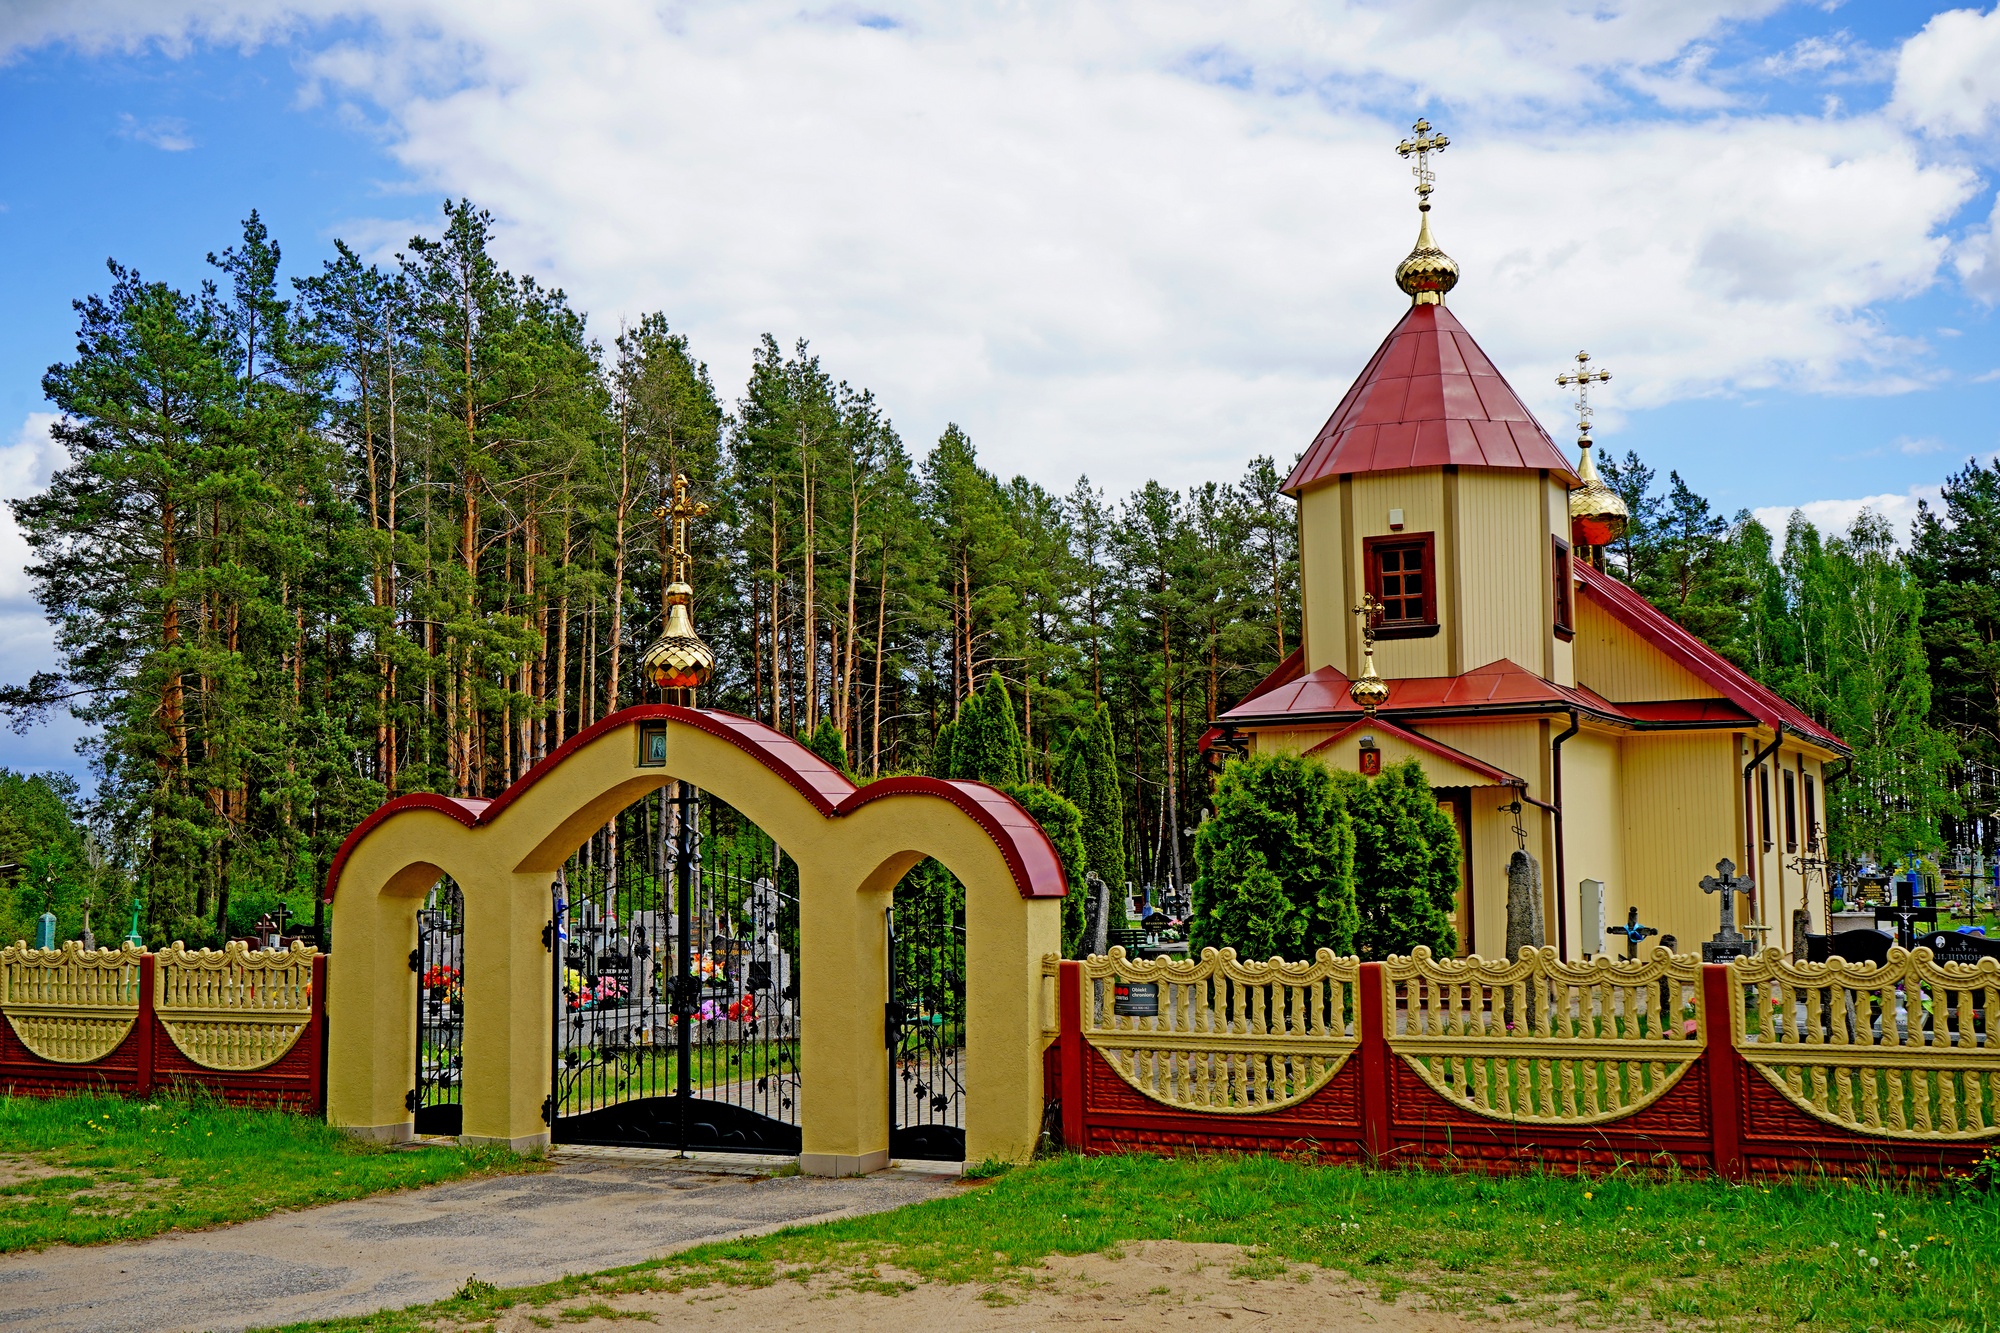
{"x":1389,"y":586}
{"x":1565,"y":592}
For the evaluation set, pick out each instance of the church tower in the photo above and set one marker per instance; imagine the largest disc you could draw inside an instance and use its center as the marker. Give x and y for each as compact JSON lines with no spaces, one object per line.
{"x":1433,"y":490}
{"x":1454,"y":616}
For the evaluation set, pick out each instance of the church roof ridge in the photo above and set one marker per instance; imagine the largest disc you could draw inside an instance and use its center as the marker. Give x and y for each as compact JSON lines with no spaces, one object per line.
{"x":1428,"y":397}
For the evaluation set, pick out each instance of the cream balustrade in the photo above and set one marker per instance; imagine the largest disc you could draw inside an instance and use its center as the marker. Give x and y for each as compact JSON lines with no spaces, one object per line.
{"x":1901,"y":1050}
{"x":1542,"y":1041}
{"x":70,"y":1005}
{"x":1230,"y":1036}
{"x":234,"y":1009}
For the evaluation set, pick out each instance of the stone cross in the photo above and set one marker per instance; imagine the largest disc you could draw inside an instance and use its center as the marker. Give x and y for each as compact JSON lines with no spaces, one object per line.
{"x":1728,"y":942}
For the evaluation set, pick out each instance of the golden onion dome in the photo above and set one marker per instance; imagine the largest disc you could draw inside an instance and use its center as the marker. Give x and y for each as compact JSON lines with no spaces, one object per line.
{"x":678,"y":659}
{"x":1427,"y":273}
{"x":1369,"y":690}
{"x":1597,"y":514}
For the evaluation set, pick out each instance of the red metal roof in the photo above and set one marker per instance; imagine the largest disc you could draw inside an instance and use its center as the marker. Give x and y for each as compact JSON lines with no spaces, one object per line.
{"x":1651,"y":624}
{"x":1504,"y":686}
{"x":1428,"y":397}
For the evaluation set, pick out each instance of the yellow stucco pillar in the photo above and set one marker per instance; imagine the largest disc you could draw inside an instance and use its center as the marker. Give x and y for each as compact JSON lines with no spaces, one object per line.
{"x":843,"y":1053}
{"x":1004,"y":945}
{"x":508,"y":1002}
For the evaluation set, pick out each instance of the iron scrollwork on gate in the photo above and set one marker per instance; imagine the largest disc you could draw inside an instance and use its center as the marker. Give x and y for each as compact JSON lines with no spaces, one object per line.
{"x":924,"y":1021}
{"x":439,"y":962}
{"x":677,"y":992}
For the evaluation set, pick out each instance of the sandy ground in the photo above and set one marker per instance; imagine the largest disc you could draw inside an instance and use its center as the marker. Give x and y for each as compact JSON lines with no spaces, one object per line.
{"x":597,"y":1209}
{"x":1155,"y":1284}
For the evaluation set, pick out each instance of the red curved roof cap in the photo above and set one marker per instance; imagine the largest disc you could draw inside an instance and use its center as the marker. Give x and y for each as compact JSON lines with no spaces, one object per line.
{"x":1428,"y":397}
{"x":1030,"y":856}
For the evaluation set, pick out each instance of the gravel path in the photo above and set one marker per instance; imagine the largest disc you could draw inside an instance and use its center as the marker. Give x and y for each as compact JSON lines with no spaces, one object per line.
{"x":596,"y":1209}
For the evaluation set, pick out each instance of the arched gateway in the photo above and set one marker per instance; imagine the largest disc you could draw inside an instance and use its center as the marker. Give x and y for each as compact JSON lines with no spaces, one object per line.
{"x":852,"y":845}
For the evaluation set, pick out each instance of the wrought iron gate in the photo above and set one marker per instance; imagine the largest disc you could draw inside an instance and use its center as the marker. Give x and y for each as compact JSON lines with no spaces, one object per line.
{"x":676,"y":1021}
{"x":439,"y":962}
{"x":925,"y":1018}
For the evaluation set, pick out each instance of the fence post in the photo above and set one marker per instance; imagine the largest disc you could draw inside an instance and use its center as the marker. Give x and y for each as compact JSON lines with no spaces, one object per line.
{"x":1725,"y":1070}
{"x":1069,"y":1011}
{"x":1370,"y":1000}
{"x":149,"y":966}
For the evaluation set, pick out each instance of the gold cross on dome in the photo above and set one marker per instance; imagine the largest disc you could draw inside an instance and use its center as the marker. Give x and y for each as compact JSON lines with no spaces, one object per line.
{"x":1581,"y":379}
{"x":1422,"y":145}
{"x":681,"y":511}
{"x":1370,"y":612}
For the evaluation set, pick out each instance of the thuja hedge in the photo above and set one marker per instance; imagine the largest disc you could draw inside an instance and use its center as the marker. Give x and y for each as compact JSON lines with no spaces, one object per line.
{"x":1299,"y":857}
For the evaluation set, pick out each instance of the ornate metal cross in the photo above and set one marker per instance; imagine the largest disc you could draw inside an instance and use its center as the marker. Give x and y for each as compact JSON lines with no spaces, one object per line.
{"x":1724,"y":882}
{"x":1421,"y":146}
{"x":1582,"y":378}
{"x":1370,"y":611}
{"x":681,"y":511}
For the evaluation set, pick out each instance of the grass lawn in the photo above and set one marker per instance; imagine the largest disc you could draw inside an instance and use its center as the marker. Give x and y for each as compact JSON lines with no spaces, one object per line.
{"x":79,"y":1170}
{"x":1832,"y":1255}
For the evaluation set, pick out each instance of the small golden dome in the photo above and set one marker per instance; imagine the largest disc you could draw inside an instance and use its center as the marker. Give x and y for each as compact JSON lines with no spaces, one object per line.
{"x":1427,"y":273}
{"x":678,"y":659}
{"x":1369,"y":690}
{"x":1597,"y":514}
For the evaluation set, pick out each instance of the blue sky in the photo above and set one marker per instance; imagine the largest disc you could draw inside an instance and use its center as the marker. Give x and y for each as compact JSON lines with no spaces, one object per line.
{"x":1129,"y":240}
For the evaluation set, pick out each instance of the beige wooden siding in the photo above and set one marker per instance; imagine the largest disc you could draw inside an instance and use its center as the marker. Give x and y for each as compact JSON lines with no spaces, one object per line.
{"x":1623,"y":667}
{"x":1501,"y":557}
{"x":1681,"y":798}
{"x":1288,"y":741}
{"x":1420,"y":495}
{"x":1593,"y":831}
{"x":1320,"y":553}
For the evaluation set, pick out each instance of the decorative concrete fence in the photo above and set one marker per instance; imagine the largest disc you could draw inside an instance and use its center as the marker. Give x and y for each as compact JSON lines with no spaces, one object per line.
{"x":1760,"y":1067}
{"x":248,"y":1026}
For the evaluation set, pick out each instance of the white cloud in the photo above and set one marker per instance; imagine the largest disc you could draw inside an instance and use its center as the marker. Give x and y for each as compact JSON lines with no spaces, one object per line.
{"x":25,"y":468}
{"x":1834,"y":517}
{"x":1977,"y":258}
{"x":1913,"y":446}
{"x":1134,"y":241}
{"x":1948,"y":75}
{"x":169,"y":134}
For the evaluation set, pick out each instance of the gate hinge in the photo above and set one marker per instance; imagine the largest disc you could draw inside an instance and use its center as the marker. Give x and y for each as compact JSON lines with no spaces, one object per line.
{"x":549,"y":1109}
{"x":410,"y":1101}
{"x":416,"y":956}
{"x":549,"y":937}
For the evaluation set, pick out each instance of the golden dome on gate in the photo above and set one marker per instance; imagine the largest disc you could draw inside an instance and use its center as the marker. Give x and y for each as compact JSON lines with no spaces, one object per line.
{"x":678,"y":659}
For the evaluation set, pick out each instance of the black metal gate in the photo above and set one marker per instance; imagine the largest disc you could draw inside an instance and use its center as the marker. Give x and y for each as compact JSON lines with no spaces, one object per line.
{"x":925,"y":1017}
{"x":676,"y":1021}
{"x":439,"y":962}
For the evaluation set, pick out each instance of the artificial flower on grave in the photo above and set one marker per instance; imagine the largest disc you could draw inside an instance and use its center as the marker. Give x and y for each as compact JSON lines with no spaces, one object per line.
{"x":442,"y":981}
{"x":744,"y":1010}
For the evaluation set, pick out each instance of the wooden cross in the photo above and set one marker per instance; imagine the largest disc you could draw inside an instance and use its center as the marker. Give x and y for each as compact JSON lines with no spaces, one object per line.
{"x":1582,"y":378}
{"x":681,"y":511}
{"x":1421,"y":147}
{"x":1724,"y":882}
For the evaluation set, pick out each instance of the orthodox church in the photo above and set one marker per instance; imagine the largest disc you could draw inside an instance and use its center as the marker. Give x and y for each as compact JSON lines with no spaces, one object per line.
{"x":1458,"y":611}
